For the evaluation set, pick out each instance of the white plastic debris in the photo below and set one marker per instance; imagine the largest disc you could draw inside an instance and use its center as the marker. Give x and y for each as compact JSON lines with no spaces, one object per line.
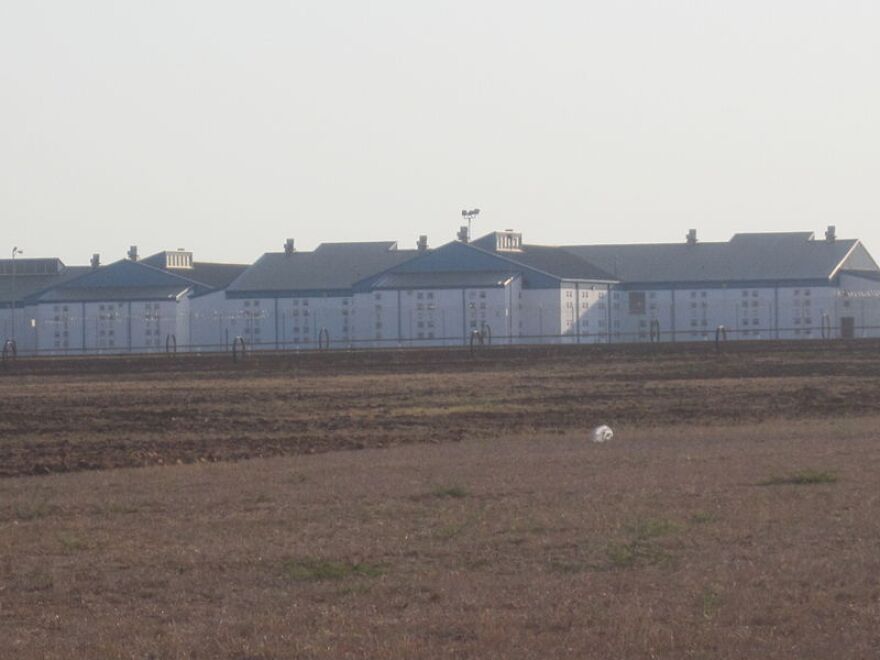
{"x":602,"y":434}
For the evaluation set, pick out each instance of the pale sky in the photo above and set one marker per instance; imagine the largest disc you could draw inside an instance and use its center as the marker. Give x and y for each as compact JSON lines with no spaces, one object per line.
{"x":226,"y":127}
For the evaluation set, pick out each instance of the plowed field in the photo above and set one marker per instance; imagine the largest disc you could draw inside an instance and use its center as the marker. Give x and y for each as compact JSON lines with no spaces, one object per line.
{"x":59,"y":415}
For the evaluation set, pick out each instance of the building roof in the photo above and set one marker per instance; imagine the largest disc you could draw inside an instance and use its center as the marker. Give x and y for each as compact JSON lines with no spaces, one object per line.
{"x":28,"y":285}
{"x":449,"y":280}
{"x":112,"y":293}
{"x":553,"y":260}
{"x":752,"y":257}
{"x":209,"y":274}
{"x":122,"y":280}
{"x":333,"y":267}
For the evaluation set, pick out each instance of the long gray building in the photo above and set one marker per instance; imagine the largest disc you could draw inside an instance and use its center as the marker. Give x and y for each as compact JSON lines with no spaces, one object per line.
{"x":497,"y":288}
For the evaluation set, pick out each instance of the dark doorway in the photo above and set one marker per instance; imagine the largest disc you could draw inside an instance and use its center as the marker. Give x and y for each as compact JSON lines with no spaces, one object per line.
{"x":847,"y":327}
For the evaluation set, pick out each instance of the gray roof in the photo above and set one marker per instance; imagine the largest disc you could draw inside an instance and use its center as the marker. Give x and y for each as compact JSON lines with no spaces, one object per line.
{"x":744,"y":258}
{"x":449,"y":280}
{"x":553,"y":260}
{"x":356,"y":248}
{"x":120,"y":294}
{"x":27,"y":286}
{"x":559,"y":262}
{"x":213,"y":275}
{"x":332,"y":267}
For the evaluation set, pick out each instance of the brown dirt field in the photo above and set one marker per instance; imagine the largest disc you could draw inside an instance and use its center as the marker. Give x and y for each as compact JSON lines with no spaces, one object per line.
{"x":61,"y":415}
{"x":668,"y":543}
{"x":736,"y":513}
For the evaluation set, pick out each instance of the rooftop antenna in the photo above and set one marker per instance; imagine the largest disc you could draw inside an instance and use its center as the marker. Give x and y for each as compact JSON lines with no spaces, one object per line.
{"x":469,"y":216}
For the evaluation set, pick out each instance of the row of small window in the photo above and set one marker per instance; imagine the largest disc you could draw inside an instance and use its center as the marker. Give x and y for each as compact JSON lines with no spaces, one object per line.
{"x":60,"y":308}
{"x":432,"y":306}
{"x":422,"y":335}
{"x":430,"y":295}
{"x":584,"y":294}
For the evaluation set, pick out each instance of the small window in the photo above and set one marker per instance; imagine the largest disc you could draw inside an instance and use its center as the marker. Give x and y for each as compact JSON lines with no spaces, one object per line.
{"x":636,"y":302}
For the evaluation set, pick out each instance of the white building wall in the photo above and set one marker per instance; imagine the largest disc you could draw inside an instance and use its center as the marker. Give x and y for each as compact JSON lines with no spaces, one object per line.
{"x":540,"y":315}
{"x":209,"y":323}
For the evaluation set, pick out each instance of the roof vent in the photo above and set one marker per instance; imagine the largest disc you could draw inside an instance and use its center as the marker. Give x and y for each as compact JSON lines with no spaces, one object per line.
{"x":508,"y":241}
{"x":422,"y":243}
{"x":288,"y":247}
{"x":462,"y":234}
{"x":179,"y":259}
{"x":831,"y":233}
{"x":692,"y":237}
{"x":133,"y":253}
{"x":96,"y":260}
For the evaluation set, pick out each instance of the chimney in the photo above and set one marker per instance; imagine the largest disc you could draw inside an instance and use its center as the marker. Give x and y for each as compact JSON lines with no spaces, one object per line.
{"x":831,"y":233}
{"x":133,"y":253}
{"x":422,"y":243}
{"x":463,"y":234}
{"x":288,"y":247}
{"x":96,"y":260}
{"x":692,"y":237}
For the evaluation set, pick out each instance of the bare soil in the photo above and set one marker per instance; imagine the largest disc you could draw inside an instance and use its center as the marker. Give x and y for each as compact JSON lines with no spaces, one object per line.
{"x":60,"y":415}
{"x":735,"y":514}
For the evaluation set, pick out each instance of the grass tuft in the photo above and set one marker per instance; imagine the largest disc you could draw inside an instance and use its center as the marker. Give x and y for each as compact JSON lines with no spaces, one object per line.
{"x":451,"y":491}
{"x":642,"y":546}
{"x":311,"y":570}
{"x":802,"y":478}
{"x":33,"y":510}
{"x":702,"y":518}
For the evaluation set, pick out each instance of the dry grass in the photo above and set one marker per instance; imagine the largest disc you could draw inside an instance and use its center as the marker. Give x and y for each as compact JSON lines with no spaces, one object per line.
{"x":662,"y":543}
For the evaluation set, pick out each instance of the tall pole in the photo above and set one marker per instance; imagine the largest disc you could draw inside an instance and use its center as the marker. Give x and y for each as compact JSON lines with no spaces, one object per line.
{"x":15,"y":252}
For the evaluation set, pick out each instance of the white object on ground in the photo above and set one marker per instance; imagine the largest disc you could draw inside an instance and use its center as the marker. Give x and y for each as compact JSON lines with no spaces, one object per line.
{"x":602,"y":434}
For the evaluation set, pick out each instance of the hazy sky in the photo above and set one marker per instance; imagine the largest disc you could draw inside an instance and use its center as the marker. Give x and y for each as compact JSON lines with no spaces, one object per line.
{"x":225,"y":127}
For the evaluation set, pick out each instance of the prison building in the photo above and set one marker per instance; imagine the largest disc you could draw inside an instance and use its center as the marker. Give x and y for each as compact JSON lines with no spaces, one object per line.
{"x":126,"y":306}
{"x":20,"y":280}
{"x":506,"y":291}
{"x":756,"y":285}
{"x":294,"y":299}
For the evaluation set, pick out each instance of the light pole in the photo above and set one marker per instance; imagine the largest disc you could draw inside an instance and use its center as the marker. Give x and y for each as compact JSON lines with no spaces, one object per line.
{"x":15,"y":252}
{"x":469,"y":216}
